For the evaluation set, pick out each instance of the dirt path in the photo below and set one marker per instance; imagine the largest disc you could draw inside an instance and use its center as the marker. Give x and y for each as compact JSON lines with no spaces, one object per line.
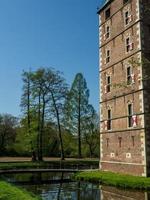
{"x":23,"y":159}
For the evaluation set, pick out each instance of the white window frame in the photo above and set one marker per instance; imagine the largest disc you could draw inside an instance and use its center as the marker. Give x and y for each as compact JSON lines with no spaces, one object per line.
{"x":107,"y":32}
{"x":128,"y":155}
{"x":128,"y":17}
{"x":132,"y":76}
{"x":129,"y":77}
{"x":107,"y":58}
{"x":112,"y":155}
{"x":128,"y":46}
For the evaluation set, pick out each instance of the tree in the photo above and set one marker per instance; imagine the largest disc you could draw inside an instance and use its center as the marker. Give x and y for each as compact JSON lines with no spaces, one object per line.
{"x":57,"y":90}
{"x":26,"y":97}
{"x":47,"y":94}
{"x":8,"y":124}
{"x":26,"y":105}
{"x":33,"y":103}
{"x":44,"y":104}
{"x":90,"y":128}
{"x":76,"y":107}
{"x":40,"y":96}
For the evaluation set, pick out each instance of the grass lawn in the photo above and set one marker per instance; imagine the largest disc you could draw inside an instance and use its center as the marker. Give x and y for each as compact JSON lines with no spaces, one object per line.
{"x":114,"y":179}
{"x":10,"y":192}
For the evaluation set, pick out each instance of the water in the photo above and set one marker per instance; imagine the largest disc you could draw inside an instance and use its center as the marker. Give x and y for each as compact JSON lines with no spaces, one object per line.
{"x":58,"y":186}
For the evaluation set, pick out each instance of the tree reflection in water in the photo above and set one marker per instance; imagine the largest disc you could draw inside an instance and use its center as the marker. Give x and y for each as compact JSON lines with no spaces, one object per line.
{"x":60,"y":186}
{"x":57,"y":186}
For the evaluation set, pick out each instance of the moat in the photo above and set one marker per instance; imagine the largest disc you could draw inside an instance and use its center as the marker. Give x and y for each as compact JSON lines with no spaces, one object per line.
{"x":60,"y":186}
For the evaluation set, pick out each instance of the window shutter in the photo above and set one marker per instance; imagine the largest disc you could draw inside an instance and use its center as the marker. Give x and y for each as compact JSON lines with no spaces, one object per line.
{"x":131,"y":46}
{"x":132,"y":78}
{"x":104,"y":36}
{"x":134,"y":121}
{"x":105,"y":125}
{"x":130,"y":18}
{"x":139,"y":78}
{"x":105,"y":89}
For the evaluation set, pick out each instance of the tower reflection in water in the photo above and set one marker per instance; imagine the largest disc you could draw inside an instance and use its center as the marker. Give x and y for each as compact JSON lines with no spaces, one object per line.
{"x":113,"y":193}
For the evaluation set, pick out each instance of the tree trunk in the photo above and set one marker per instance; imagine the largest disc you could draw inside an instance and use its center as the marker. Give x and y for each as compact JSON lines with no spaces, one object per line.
{"x":39,"y":126}
{"x":59,"y":128}
{"x":28,"y":105}
{"x":79,"y":124}
{"x":2,"y":143}
{"x":29,"y":119}
{"x":41,"y":132}
{"x":79,"y":190}
{"x":91,"y":152}
{"x":60,"y":187}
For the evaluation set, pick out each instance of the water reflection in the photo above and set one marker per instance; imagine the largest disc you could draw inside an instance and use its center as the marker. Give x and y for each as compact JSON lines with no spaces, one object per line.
{"x":67,"y":191}
{"x":112,"y":193}
{"x":58,"y":186}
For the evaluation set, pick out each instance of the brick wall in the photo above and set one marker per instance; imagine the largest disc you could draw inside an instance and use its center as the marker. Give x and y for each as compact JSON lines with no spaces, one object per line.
{"x":145,"y":40}
{"x":127,"y":158}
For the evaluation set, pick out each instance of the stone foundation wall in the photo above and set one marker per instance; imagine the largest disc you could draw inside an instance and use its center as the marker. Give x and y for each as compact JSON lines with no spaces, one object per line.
{"x":137,"y":170}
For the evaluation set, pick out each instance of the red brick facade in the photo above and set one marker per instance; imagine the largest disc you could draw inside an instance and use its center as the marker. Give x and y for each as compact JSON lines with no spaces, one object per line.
{"x":108,"y":193}
{"x":124,"y":32}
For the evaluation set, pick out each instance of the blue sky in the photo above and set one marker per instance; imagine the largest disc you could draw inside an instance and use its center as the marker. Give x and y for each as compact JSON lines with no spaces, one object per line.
{"x":53,"y":33}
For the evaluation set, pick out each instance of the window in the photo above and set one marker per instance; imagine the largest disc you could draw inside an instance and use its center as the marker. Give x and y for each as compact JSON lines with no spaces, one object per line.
{"x":129,"y":78}
{"x":125,"y":1}
{"x":127,"y":17}
{"x":109,"y":120}
{"x":107,"y":34}
{"x":128,"y":155}
{"x":112,"y":155}
{"x":128,"y":44}
{"x":107,"y":56}
{"x":130,"y":113}
{"x":107,"y":13}
{"x":108,"y":85}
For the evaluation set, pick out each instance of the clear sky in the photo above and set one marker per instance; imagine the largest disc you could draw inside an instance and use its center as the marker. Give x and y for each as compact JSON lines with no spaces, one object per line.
{"x":53,"y":33}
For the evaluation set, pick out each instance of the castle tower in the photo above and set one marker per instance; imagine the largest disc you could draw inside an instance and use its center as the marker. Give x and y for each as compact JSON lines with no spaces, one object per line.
{"x":124,"y":50}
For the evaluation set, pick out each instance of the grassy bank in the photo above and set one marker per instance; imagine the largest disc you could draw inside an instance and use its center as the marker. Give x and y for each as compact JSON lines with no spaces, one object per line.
{"x":113,"y":179}
{"x":10,"y":192}
{"x":48,"y":164}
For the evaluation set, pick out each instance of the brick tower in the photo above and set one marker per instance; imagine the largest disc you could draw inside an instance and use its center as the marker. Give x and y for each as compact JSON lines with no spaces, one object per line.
{"x":124,"y":51}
